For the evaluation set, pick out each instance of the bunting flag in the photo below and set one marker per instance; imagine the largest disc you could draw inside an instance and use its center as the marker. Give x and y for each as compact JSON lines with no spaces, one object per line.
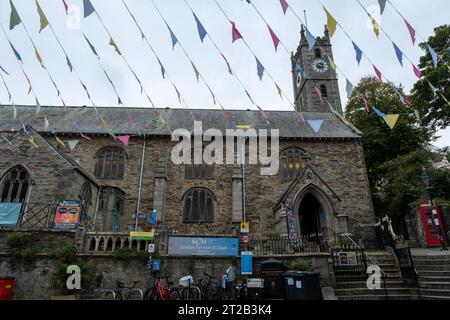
{"x":284,"y":6}
{"x":445,"y":99}
{"x":65,"y":106}
{"x":378,"y":112}
{"x":375,"y":25}
{"x":85,"y":137}
{"x":349,"y":89}
{"x":66,"y":7}
{"x":172,"y":37}
{"x":4,"y":70}
{"x":359,"y":53}
{"x":201,"y":30}
{"x":412,"y":31}
{"x":319,"y":93}
{"x":107,"y":127}
{"x":366,"y":105}
{"x":43,"y":18}
{"x":114,"y":45}
{"x":279,"y":91}
{"x":197,"y":73}
{"x":332,"y":63}
{"x":46,"y":124}
{"x":331,"y":22}
{"x":228,"y":64}
{"x":124,"y":139}
{"x":249,"y":97}
{"x":73,"y":144}
{"x":88,"y":8}
{"x":14,"y":19}
{"x":86,"y":90}
{"x":417,"y":72}
{"x":316,"y":125}
{"x":38,"y":106}
{"x":378,"y":72}
{"x":275,"y":39}
{"x":399,"y":53}
{"x":433,"y":88}
{"x":16,"y":53}
{"x":434,"y":56}
{"x":163,"y":70}
{"x":60,"y":141}
{"x":91,"y":45}
{"x":263,"y":113}
{"x":299,"y":70}
{"x":69,"y":63}
{"x":382,"y":5}
{"x":178,"y":93}
{"x":14,"y":112}
{"x":260,"y":68}
{"x":416,"y":113}
{"x":31,"y":140}
{"x":236,"y":35}
{"x":391,"y":120}
{"x":311,"y":40}
{"x":39,"y":58}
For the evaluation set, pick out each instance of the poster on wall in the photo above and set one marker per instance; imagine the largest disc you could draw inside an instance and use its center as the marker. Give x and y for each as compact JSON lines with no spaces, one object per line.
{"x":67,"y":214}
{"x":246,"y":263}
{"x":9,"y":214}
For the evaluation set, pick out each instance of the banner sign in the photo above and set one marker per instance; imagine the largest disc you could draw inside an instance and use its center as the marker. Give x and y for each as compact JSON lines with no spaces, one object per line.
{"x":138,"y":235}
{"x":246,"y":263}
{"x":203,"y":246}
{"x":9,"y":214}
{"x":67,"y":214}
{"x":293,"y":237}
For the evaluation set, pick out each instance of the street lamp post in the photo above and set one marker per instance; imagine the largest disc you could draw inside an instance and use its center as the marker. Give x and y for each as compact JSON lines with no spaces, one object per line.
{"x":435,"y":215}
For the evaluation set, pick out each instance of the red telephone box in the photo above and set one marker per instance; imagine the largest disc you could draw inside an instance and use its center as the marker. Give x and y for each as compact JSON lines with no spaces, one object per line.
{"x":432,"y":231}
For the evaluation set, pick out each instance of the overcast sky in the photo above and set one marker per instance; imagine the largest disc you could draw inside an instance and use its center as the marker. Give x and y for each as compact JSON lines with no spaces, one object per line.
{"x":423,"y":15}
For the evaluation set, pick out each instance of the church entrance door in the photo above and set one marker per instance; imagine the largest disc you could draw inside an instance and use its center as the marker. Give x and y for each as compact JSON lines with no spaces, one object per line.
{"x":311,"y":215}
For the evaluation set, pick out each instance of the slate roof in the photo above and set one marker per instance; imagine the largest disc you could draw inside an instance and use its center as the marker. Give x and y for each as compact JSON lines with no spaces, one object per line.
{"x":146,"y":121}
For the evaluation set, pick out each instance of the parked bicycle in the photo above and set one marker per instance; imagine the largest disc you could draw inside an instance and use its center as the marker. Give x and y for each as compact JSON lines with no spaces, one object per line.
{"x":160,"y":292}
{"x":132,"y":293}
{"x":223,"y":288}
{"x":190,"y":292}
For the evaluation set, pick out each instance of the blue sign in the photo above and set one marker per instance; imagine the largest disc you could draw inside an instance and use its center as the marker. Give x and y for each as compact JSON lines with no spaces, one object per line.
{"x":156,"y":265}
{"x":9,"y":214}
{"x":246,"y":263}
{"x":203,"y":246}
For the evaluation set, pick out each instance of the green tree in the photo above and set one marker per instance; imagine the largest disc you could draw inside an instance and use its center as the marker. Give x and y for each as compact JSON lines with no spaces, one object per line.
{"x":381,"y":143}
{"x":433,"y":108}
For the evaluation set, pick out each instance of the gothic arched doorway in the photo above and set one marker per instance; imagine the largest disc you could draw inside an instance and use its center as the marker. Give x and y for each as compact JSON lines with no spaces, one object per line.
{"x":311,"y":218}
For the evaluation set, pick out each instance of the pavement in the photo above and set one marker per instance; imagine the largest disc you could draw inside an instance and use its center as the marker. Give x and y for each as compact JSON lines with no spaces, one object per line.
{"x":429,"y":252}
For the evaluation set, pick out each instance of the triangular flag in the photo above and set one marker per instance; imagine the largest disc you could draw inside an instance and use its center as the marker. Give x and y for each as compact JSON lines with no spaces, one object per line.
{"x":399,"y":53}
{"x":178,"y":93}
{"x":112,"y":43}
{"x":236,"y":35}
{"x":65,"y":106}
{"x":378,"y":72}
{"x":417,"y":72}
{"x":279,"y":91}
{"x":228,"y":64}
{"x":124,"y":139}
{"x":197,"y":74}
{"x":73,"y":144}
{"x":275,"y":39}
{"x":299,"y":70}
{"x":412,"y":31}
{"x":249,"y":97}
{"x":311,"y":40}
{"x":46,"y":124}
{"x":366,"y":105}
{"x":319,"y":93}
{"x":445,"y":99}
{"x":434,"y":56}
{"x":43,"y":18}
{"x":331,"y":23}
{"x":375,"y":25}
{"x":260,"y":68}
{"x":349,"y":89}
{"x":163,"y":70}
{"x":201,"y":30}
{"x":16,"y":53}
{"x":391,"y":120}
{"x":60,"y":141}
{"x":284,"y":5}
{"x":39,"y":58}
{"x":69,"y":63}
{"x":172,"y":37}
{"x":66,"y":7}
{"x":85,"y":137}
{"x":316,"y":125}
{"x":86,"y":90}
{"x":378,"y":112}
{"x":332,"y":63}
{"x":382,"y":5}
{"x":38,"y":106}
{"x":88,"y":8}
{"x":31,"y":140}
{"x":359,"y":53}
{"x":91,"y":46}
{"x":14,"y":19}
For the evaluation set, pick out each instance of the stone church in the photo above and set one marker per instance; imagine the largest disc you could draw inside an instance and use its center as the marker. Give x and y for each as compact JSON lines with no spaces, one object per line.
{"x":322,"y":176}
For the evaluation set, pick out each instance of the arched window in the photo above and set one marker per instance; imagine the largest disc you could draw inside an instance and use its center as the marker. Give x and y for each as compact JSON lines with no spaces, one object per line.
{"x":324,"y":91}
{"x":318,"y":53}
{"x":110,"y":163}
{"x":85,"y":198}
{"x":198,"y":171}
{"x":198,"y":206}
{"x":14,"y":185}
{"x":293,"y":161}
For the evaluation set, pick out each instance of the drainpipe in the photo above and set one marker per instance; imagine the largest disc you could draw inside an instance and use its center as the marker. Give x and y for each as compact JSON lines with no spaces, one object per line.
{"x":138,"y":208}
{"x":243,"y":180}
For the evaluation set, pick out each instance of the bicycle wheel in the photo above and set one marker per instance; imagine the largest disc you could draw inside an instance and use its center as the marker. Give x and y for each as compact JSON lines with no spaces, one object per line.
{"x":196,"y":293}
{"x":136,"y":294}
{"x":152,"y":294}
{"x":175,"y":294}
{"x":109,"y":295}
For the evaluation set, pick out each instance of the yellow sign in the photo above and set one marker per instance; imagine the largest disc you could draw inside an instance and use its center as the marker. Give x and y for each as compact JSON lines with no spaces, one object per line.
{"x":138,"y":235}
{"x":245,"y":227}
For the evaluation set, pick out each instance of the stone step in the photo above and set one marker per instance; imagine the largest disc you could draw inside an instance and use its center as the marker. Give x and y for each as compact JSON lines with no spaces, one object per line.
{"x":435,"y":285}
{"x":435,"y":292}
{"x":381,"y":297}
{"x":433,"y":262}
{"x":431,"y":273}
{"x":435,"y":278}
{"x":425,"y":297}
{"x":365,"y":291}
{"x":432,"y":267}
{"x":433,"y":257}
{"x":363,"y":285}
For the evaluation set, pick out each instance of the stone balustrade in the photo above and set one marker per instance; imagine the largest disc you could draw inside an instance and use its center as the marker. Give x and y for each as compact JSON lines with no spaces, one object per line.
{"x":108,"y":242}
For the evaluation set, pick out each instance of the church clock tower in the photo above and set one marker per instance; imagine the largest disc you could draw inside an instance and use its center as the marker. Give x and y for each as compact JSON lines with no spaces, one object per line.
{"x":311,"y":70}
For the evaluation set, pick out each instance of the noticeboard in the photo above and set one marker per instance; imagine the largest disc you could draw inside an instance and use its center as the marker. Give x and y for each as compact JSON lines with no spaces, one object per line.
{"x":203,"y":246}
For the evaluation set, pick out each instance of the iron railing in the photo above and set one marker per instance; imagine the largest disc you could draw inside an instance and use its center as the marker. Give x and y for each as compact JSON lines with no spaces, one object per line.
{"x":281,"y":246}
{"x":36,"y":215}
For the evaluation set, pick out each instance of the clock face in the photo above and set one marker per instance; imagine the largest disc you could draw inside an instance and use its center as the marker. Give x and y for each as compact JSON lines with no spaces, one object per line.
{"x":320,"y":66}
